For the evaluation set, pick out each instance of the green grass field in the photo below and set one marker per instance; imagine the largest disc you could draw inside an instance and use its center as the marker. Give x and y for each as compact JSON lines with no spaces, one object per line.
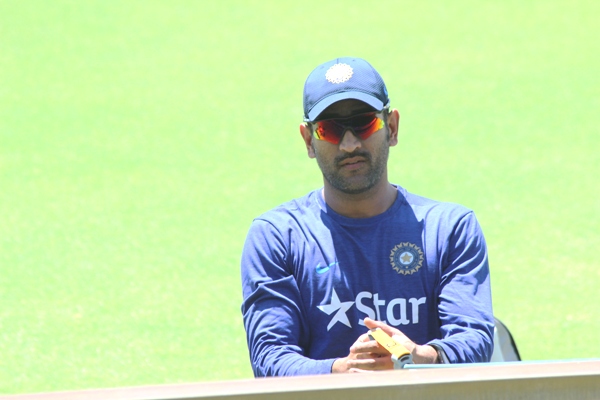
{"x":138,"y":139}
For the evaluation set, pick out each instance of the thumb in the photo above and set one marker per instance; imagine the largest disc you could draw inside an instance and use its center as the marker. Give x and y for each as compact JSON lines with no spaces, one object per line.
{"x":372,"y":324}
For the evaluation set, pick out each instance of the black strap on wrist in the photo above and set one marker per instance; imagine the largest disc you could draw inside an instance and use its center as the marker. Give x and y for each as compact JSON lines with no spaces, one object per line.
{"x":442,"y":357}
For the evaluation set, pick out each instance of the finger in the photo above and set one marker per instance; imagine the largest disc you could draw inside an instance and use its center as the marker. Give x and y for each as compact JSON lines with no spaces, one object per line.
{"x":359,"y":371}
{"x":367,"y":347}
{"x":372,"y":324}
{"x":364,"y":338}
{"x":372,"y":364}
{"x":366,"y":356}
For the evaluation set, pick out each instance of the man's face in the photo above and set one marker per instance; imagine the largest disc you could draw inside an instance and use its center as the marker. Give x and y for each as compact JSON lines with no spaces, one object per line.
{"x":353,"y":166}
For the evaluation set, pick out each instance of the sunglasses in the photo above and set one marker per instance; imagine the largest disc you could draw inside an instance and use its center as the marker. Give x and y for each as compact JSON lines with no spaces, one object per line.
{"x":362,"y":125}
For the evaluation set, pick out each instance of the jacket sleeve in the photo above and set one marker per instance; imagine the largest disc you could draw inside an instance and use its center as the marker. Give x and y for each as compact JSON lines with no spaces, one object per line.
{"x":274,"y":318}
{"x":464,"y":295}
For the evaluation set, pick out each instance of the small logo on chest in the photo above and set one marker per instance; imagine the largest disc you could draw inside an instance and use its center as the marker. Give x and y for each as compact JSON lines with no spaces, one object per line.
{"x":406,"y":258}
{"x":321,"y":269}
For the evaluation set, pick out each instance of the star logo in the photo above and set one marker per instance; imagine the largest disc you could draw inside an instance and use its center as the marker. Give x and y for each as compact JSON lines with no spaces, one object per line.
{"x":406,"y":258}
{"x":340,"y":307}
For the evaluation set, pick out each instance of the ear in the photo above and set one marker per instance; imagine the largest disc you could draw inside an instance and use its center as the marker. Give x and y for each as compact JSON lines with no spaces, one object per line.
{"x":392,"y":122}
{"x":306,"y":133}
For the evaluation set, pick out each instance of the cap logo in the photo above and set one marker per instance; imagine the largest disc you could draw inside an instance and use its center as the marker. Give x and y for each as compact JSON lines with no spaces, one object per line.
{"x":339,"y":73}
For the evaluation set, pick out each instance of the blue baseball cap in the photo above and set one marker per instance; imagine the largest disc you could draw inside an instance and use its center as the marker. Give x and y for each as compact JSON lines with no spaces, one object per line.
{"x":342,"y":79}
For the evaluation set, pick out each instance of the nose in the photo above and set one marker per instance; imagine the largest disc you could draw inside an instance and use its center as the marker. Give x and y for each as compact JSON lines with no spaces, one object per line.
{"x":349,"y":142}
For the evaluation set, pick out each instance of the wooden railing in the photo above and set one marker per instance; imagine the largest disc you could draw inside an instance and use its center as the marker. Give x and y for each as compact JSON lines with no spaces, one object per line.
{"x":522,"y":380}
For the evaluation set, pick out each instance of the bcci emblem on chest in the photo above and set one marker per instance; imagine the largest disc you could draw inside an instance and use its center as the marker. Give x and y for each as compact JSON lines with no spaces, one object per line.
{"x":406,"y":258}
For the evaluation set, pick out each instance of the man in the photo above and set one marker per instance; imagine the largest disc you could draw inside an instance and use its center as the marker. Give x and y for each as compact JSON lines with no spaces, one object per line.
{"x":318,"y":272}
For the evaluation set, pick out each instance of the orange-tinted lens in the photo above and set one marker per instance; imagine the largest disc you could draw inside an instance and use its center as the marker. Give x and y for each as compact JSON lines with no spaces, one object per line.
{"x":363,"y":126}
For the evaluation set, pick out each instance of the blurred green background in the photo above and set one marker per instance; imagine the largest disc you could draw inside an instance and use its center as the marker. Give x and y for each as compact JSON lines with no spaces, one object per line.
{"x":139,"y":138}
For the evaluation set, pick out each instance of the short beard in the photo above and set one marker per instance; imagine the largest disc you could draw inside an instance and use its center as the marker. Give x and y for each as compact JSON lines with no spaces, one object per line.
{"x":377,"y":168}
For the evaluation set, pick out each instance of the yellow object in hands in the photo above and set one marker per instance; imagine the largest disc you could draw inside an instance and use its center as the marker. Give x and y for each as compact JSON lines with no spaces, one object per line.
{"x":400,"y":354}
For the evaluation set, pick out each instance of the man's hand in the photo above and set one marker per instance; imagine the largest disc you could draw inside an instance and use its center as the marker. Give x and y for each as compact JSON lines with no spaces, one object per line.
{"x":366,"y":354}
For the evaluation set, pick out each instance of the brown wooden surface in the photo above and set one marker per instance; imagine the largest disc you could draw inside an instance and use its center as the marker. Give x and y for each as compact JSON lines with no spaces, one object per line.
{"x":552,"y":380}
